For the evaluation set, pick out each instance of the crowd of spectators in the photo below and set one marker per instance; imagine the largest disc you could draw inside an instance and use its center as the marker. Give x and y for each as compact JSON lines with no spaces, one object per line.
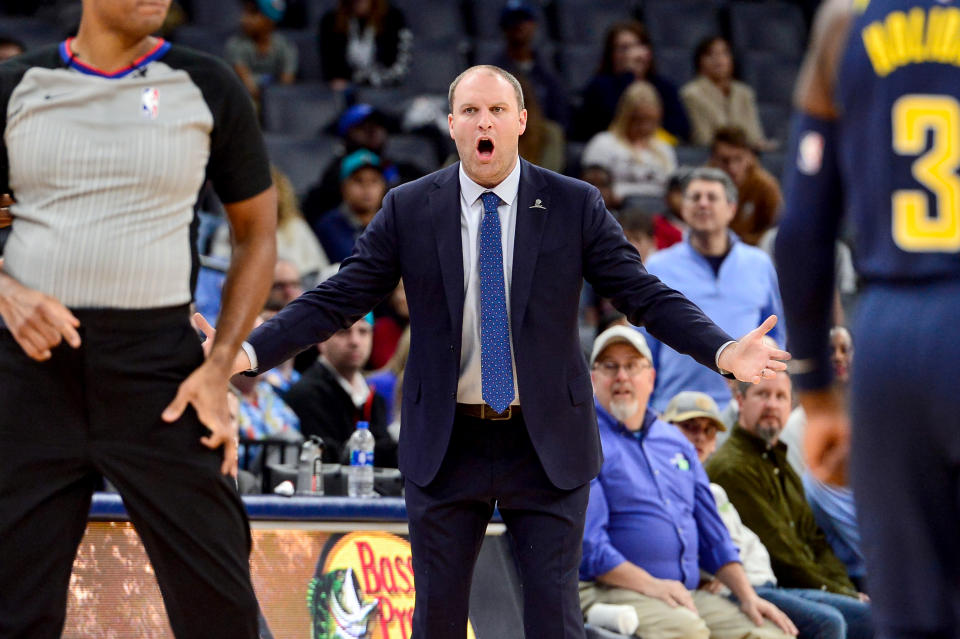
{"x":686,"y":156}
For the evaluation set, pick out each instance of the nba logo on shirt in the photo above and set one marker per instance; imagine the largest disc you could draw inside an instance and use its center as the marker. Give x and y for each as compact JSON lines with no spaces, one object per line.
{"x":150,"y":103}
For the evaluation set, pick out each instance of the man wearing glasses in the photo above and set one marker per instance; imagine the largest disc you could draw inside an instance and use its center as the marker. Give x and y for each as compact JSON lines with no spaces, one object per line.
{"x":652,"y":523}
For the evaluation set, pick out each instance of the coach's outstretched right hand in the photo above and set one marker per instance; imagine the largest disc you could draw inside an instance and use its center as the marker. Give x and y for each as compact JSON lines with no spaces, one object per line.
{"x":241,"y":362}
{"x":38,"y":322}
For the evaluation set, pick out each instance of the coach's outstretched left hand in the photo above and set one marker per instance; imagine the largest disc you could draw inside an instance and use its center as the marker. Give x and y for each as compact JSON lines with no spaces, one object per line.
{"x":750,"y":359}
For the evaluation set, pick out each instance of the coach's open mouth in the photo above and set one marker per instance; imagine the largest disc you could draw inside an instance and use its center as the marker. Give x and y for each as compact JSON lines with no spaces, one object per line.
{"x":485,"y":148}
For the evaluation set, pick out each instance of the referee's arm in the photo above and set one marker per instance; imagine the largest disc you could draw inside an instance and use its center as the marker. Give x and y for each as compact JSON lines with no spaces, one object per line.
{"x":254,"y":224}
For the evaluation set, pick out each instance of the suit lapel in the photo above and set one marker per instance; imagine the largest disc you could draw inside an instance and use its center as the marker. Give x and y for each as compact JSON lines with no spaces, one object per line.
{"x":444,"y":206}
{"x":530,"y":224}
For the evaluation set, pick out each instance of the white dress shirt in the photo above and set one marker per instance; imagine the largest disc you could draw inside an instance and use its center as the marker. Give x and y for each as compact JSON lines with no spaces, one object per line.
{"x":469,"y":389}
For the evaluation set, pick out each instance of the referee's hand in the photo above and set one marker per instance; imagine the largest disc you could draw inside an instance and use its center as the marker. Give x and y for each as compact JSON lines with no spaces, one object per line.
{"x":37,"y":321}
{"x":206,"y":390}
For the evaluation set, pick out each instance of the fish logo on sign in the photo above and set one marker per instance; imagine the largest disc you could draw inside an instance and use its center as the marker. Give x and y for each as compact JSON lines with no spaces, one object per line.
{"x":150,"y":103}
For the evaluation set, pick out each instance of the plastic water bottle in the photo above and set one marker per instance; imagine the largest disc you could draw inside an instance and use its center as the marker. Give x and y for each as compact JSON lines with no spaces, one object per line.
{"x":360,"y":448}
{"x":310,"y":468}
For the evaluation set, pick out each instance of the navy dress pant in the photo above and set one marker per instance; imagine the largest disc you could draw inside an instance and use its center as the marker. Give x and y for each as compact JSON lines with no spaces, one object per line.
{"x":493,"y":463}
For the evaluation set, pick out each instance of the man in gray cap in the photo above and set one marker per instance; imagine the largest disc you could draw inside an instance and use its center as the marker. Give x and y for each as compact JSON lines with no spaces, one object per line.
{"x":818,"y":614}
{"x":652,"y":523}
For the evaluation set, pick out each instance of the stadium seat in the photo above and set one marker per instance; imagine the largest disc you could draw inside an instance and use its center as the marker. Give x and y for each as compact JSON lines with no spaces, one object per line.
{"x":680,"y":24}
{"x":774,"y":161}
{"x":315,"y":10}
{"x":586,"y":23}
{"x":300,"y":109}
{"x":433,"y":21}
{"x":675,"y":64}
{"x":434,"y":66}
{"x":302,"y":159}
{"x":578,"y":63}
{"x":772,"y":77}
{"x":31,"y":31}
{"x":773,"y":26}
{"x":412,"y":149}
{"x":222,"y":14}
{"x":692,"y":156}
{"x":308,"y":56}
{"x":574,"y":155}
{"x":202,"y":38}
{"x":483,"y":19}
{"x":391,"y":101}
{"x":647,"y":203}
{"x":775,"y":118}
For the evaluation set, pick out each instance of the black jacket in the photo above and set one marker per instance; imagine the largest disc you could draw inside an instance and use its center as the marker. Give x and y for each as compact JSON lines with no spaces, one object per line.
{"x":325,"y":409}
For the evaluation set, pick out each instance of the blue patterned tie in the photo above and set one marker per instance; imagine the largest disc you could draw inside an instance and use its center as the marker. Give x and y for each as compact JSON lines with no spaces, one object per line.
{"x":496,"y":370}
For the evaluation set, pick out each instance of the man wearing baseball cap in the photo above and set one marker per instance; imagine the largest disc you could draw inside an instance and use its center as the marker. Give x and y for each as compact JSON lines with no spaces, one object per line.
{"x":332,"y":396}
{"x":818,"y":614}
{"x":362,"y":187}
{"x":652,"y":523}
{"x":258,"y":55}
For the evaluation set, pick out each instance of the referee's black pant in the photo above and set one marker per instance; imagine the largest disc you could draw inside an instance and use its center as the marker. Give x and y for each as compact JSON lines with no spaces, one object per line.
{"x":94,"y":412}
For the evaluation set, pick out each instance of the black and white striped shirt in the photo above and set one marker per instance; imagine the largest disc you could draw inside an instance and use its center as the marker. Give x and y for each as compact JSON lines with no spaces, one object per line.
{"x":106,"y":168}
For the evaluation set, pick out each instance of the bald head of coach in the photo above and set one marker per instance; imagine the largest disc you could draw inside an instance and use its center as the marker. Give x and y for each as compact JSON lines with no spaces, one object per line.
{"x":497,"y":402}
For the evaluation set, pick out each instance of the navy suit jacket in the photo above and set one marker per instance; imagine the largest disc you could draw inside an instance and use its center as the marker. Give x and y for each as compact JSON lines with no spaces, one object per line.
{"x":416,"y":235}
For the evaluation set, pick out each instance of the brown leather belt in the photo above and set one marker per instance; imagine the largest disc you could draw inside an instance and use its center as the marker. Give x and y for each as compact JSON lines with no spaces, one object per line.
{"x":482,"y":411}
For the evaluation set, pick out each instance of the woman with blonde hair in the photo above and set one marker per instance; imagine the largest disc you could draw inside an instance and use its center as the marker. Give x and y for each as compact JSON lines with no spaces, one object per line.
{"x":632,"y":148}
{"x":295,"y":239}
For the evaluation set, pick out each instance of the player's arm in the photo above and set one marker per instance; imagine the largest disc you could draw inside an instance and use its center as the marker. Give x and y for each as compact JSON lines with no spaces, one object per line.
{"x":812,"y":211}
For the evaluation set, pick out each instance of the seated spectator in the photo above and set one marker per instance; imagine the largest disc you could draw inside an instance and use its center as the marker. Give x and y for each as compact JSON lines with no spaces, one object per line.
{"x":834,"y":507}
{"x":247,"y":483}
{"x":817,"y":614}
{"x":752,"y":468}
{"x":387,"y":381}
{"x":258,"y":55}
{"x":360,"y":127}
{"x":627,"y":57}
{"x":263,"y":414}
{"x":759,"y":201}
{"x":601,"y":177}
{"x":362,"y":186}
{"x":651,"y":522}
{"x":518,"y":22}
{"x":10,"y":47}
{"x":735,"y":284}
{"x":392,"y":319}
{"x":543,"y":142}
{"x":638,"y":160}
{"x":364,"y":42}
{"x":286,"y":285}
{"x":295,"y":240}
{"x":714,"y":99}
{"x":673,"y":199}
{"x":284,"y":375}
{"x":639,"y":228}
{"x":332,"y":396}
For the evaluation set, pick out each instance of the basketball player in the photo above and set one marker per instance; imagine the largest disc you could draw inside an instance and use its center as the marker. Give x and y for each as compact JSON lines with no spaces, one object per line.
{"x":877,"y":139}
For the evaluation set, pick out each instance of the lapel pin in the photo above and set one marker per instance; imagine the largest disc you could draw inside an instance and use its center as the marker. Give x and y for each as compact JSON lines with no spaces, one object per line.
{"x":538,"y":205}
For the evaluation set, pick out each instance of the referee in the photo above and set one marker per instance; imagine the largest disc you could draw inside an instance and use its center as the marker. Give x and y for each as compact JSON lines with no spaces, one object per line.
{"x":106,"y":141}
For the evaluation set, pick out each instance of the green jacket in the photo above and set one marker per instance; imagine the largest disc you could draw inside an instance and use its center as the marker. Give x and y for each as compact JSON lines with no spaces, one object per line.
{"x":768,"y":494}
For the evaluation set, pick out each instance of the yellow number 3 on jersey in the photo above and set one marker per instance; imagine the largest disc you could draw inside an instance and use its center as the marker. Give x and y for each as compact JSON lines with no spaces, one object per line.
{"x":914,"y":229}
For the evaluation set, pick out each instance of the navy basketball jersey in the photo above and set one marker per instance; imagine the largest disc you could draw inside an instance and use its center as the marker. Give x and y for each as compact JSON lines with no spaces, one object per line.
{"x":898,"y":90}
